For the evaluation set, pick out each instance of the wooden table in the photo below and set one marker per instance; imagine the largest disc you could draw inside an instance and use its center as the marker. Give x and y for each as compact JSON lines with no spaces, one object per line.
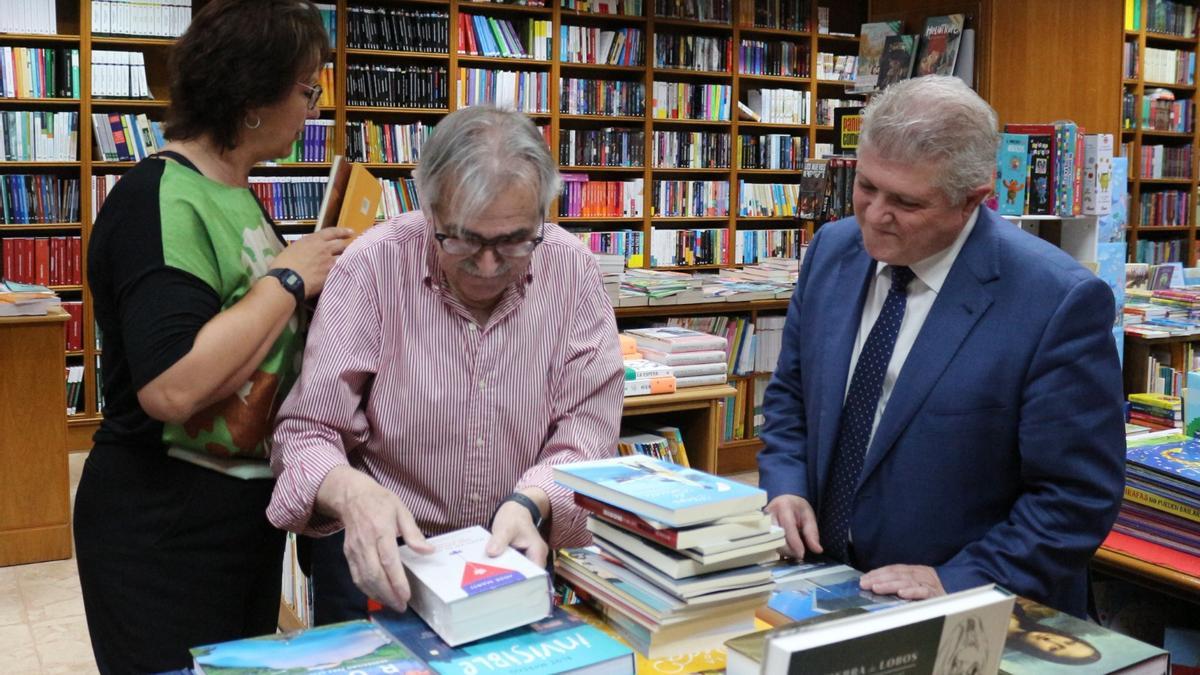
{"x":35,"y":514}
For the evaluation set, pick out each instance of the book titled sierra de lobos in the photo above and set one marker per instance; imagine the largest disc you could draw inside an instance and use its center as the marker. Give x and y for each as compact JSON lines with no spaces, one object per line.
{"x":465,"y":595}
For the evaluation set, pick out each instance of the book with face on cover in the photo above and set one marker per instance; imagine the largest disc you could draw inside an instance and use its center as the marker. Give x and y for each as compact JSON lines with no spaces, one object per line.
{"x":351,"y":198}
{"x":464,"y":595}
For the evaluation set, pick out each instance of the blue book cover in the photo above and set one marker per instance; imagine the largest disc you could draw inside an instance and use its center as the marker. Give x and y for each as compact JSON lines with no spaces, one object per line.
{"x":561,"y":643}
{"x":1012,"y":168}
{"x":1179,"y":459}
{"x":669,"y":493}
{"x":1110,"y":267}
{"x":358,"y":647}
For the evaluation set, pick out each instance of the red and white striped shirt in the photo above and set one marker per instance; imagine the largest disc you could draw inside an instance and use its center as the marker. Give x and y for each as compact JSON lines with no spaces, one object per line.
{"x":401,"y":383}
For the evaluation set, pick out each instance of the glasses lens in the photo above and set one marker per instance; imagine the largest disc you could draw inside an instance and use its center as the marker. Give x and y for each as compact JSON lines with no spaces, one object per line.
{"x":455,"y":246}
{"x":518,"y":249}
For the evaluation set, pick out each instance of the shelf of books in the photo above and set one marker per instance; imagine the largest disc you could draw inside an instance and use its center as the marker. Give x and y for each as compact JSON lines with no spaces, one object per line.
{"x":638,"y":100}
{"x":1158,"y":130}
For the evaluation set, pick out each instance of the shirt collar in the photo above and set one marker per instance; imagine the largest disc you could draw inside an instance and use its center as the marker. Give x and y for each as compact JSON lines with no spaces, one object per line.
{"x":932,"y":271}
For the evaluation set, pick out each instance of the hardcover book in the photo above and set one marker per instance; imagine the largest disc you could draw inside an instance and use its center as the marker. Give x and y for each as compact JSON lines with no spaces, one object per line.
{"x":957,"y":633}
{"x":559,"y":643}
{"x":352,"y":195}
{"x":1012,"y":164}
{"x":1177,"y":459}
{"x":939,"y":45}
{"x":351,"y":647}
{"x":464,"y":595}
{"x":1044,"y":640}
{"x":896,"y":62}
{"x":671,"y":494}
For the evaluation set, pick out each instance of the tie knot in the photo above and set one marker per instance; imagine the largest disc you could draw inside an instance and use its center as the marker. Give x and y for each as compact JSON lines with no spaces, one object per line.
{"x":900,"y":278}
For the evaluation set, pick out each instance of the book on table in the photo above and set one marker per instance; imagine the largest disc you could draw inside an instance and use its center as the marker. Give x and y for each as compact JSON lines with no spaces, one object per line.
{"x":351,"y":198}
{"x":559,"y":643}
{"x":727,"y":529}
{"x":961,"y":632}
{"x":1044,"y":641}
{"x":685,"y":563}
{"x":351,"y":647}
{"x":671,"y":494}
{"x":464,"y":595}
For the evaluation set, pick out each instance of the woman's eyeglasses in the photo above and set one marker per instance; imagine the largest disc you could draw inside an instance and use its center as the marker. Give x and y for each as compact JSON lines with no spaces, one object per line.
{"x":314,"y":94}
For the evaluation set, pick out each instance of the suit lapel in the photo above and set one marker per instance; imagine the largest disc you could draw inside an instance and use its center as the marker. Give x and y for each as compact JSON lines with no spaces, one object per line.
{"x":961,"y":303}
{"x":853,"y":276}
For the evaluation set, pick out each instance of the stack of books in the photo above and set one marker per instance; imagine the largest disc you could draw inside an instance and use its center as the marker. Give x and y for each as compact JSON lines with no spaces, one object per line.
{"x":663,"y":287}
{"x":18,"y":299}
{"x":695,"y":358}
{"x":648,"y":377}
{"x":1156,"y":411}
{"x":677,"y":561}
{"x":1162,"y":492}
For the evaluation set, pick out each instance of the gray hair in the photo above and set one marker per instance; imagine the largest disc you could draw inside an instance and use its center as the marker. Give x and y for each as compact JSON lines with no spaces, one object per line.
{"x":478,"y":152}
{"x":939,"y":119}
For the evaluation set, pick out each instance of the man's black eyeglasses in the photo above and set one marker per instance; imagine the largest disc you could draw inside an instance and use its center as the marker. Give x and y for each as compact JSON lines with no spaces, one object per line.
{"x":502,"y":246}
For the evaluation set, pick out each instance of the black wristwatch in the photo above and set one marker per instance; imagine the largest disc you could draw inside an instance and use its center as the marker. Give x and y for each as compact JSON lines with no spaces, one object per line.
{"x":528,"y":503}
{"x":291,"y":282}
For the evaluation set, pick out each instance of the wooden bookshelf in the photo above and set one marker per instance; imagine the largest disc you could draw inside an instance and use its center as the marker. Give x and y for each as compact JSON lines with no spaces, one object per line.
{"x":75,"y":31}
{"x":1137,"y":133}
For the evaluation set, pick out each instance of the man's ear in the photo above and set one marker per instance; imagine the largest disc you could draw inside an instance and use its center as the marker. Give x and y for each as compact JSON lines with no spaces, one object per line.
{"x":974,"y":198}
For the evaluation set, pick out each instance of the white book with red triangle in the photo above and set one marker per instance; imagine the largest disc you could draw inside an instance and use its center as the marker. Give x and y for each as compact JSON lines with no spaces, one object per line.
{"x":465,"y":595}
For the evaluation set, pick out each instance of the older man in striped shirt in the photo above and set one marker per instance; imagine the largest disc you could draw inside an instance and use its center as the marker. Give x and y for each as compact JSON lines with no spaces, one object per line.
{"x":457,"y":353}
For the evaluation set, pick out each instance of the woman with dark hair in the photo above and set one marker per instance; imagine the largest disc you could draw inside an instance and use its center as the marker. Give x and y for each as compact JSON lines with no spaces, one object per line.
{"x":200,"y":306}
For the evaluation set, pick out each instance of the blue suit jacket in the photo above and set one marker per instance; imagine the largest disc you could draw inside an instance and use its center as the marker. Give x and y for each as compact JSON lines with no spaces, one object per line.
{"x":1000,"y":454}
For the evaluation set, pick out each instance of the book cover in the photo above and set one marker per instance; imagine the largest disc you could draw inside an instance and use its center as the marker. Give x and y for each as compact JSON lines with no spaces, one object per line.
{"x":820,"y":591}
{"x":896,"y":62}
{"x":939,"y":45}
{"x":1191,"y":404}
{"x":669,"y":493}
{"x":847,"y":125}
{"x":672,"y":339}
{"x":351,"y":647}
{"x":957,"y":633}
{"x":1178,"y":459}
{"x":1011,"y":171}
{"x":360,"y":202}
{"x":726,"y":529}
{"x":560,"y":643}
{"x":1044,"y":640}
{"x":464,"y":594}
{"x":1097,"y":174}
{"x":870,"y":50}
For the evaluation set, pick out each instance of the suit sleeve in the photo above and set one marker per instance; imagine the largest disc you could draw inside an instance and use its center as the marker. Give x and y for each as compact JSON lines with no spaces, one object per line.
{"x":783,"y":461}
{"x":1072,"y":446}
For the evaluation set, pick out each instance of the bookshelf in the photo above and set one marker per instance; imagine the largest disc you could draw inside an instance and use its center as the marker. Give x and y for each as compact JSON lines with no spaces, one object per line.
{"x":74,"y":31}
{"x":1162,"y":206}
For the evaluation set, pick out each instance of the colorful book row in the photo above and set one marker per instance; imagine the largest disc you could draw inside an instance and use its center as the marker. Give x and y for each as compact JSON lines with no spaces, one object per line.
{"x":583,"y":198}
{"x":41,"y":198}
{"x":586,"y":44}
{"x":526,"y":91}
{"x":601,"y":147}
{"x":35,"y":72}
{"x":39,"y":136}
{"x":691,"y":149}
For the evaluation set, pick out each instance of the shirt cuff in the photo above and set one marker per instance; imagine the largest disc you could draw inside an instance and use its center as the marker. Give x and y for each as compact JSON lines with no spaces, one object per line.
{"x":299,"y":477}
{"x":568,"y":522}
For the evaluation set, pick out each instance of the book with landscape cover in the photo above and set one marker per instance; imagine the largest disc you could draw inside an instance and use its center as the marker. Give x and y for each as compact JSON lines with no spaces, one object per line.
{"x":817,"y":590}
{"x":351,"y":647}
{"x":559,"y":643}
{"x":671,"y":494}
{"x":896,"y":62}
{"x":351,"y":198}
{"x":1045,"y":641}
{"x":939,"y":45}
{"x":464,"y":595}
{"x":962,"y":632}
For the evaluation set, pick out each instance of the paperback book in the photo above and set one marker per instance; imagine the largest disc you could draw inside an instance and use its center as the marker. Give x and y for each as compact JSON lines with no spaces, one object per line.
{"x":674,"y":495}
{"x":939,"y":45}
{"x":358,"y":647}
{"x":896,"y":61}
{"x":559,"y":643}
{"x":464,"y":595}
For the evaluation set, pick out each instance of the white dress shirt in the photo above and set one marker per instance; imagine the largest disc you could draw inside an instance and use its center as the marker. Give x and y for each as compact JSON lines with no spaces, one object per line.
{"x":922,"y":291}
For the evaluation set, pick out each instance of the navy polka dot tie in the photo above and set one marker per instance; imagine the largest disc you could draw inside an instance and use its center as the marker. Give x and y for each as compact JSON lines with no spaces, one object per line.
{"x":858,"y":416}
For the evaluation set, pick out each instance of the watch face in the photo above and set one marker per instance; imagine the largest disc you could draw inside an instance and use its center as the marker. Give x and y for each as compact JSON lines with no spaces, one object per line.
{"x":292,"y":280}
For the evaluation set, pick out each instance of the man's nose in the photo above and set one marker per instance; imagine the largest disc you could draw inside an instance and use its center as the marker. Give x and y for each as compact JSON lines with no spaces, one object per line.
{"x":487,"y":261}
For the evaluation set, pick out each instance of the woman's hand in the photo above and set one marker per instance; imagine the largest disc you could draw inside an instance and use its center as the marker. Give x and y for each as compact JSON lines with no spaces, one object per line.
{"x":313,"y":255}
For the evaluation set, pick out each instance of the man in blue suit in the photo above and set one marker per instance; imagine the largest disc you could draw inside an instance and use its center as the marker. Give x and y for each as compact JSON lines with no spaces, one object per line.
{"x":947,"y":409}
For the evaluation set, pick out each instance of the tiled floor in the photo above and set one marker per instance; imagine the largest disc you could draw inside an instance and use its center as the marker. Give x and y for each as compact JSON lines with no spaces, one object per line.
{"x":42,"y":628}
